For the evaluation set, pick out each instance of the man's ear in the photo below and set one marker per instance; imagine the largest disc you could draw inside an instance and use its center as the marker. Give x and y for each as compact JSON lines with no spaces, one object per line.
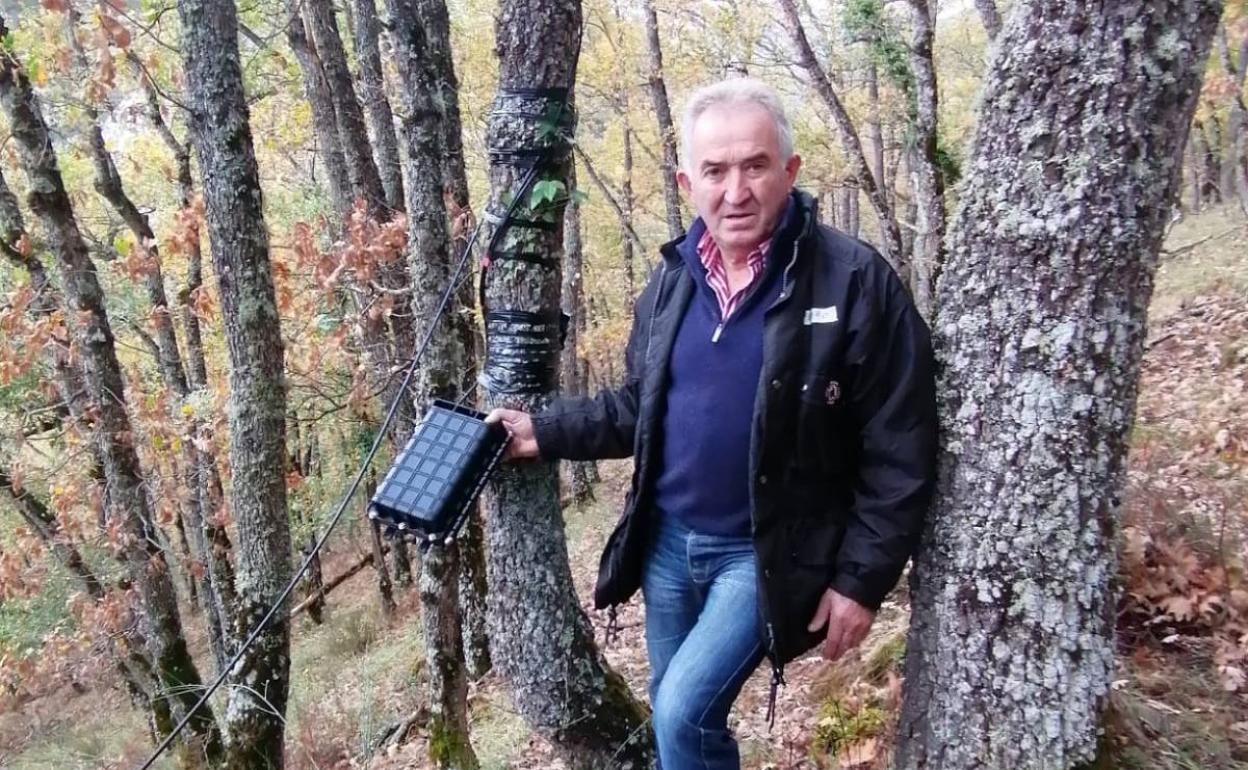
{"x":682,"y":179}
{"x":792,"y":166}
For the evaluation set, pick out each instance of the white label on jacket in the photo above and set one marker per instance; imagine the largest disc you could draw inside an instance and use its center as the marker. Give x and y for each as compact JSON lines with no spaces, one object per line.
{"x":820,"y":315}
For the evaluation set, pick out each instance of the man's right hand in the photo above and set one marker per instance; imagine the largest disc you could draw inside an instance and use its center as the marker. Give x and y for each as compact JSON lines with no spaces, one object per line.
{"x":520,"y":426}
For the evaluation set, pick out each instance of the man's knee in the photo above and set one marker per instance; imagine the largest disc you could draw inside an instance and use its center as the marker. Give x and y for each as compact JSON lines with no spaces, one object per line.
{"x":676,"y":715}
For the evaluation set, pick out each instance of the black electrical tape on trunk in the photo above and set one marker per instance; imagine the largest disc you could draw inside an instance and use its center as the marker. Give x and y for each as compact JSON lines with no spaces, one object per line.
{"x":522,"y":351}
{"x":535,"y":224}
{"x":522,"y":348}
{"x":531,"y":257}
{"x":554,"y":93}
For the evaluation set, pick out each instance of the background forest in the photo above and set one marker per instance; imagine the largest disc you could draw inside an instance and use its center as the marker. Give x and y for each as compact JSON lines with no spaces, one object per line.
{"x":151,"y":508}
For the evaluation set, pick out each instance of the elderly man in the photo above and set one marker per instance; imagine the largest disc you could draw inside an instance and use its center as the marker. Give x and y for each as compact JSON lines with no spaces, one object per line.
{"x":780,"y":408}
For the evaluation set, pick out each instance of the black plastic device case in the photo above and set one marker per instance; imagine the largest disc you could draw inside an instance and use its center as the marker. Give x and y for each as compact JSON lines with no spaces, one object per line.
{"x":433,"y":482}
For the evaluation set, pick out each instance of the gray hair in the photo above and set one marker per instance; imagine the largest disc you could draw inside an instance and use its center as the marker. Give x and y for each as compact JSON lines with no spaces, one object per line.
{"x":734,"y":91}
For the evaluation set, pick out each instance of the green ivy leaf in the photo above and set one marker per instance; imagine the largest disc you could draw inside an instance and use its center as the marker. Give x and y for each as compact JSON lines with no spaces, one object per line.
{"x":545,"y":191}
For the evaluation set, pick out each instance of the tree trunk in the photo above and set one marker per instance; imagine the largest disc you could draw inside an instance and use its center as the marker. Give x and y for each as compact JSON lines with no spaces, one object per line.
{"x":352,"y":130}
{"x":109,"y":185}
{"x":324,"y":119}
{"x":1234,"y":160}
{"x":1193,"y":166}
{"x":445,"y":370}
{"x":221,"y":134}
{"x":377,"y":107}
{"x":1010,"y":653}
{"x":579,"y":473}
{"x":313,"y":588}
{"x":663,"y":114}
{"x":991,"y":17}
{"x":890,"y":233}
{"x":875,"y":129}
{"x":626,"y":204}
{"x":849,"y":209}
{"x":542,"y":642}
{"x":1211,"y":151}
{"x":384,"y":587}
{"x":472,"y":583}
{"x":160,"y":623}
{"x":926,"y":181}
{"x":402,"y":563}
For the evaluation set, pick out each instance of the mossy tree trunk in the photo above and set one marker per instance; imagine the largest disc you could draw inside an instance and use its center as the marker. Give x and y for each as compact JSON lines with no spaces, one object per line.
{"x":445,"y":371}
{"x":432,"y":14}
{"x":1040,"y":328}
{"x":239,"y":242}
{"x":540,"y":639}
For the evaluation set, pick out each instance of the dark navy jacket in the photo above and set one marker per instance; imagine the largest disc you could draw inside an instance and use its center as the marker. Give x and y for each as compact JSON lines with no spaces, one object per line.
{"x":842,"y":449}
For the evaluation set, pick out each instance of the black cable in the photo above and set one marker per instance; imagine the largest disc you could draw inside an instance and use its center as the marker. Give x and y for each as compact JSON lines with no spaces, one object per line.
{"x":418,"y":353}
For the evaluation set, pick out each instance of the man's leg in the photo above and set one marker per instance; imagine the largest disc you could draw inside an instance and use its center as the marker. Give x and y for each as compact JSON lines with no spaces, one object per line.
{"x":673,"y":600}
{"x":704,"y":677}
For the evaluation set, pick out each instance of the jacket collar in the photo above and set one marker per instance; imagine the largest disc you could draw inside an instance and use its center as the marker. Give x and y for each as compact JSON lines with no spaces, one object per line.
{"x":798,"y":222}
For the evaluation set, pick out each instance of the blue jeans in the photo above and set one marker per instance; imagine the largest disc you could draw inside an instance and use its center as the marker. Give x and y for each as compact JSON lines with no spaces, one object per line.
{"x":702,"y":638}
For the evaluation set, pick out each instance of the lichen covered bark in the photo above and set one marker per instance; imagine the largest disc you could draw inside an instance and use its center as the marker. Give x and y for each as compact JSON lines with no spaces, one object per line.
{"x":1040,"y":326}
{"x":540,"y":638}
{"x":256,"y":410}
{"x":444,"y":372}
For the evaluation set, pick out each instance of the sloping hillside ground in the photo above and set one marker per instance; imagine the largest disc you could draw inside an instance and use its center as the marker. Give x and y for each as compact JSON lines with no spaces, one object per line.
{"x":1179,"y":701}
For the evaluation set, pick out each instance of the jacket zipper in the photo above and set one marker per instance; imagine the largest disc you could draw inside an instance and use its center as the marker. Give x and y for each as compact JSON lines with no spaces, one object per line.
{"x":777,"y":670}
{"x":784,"y":279}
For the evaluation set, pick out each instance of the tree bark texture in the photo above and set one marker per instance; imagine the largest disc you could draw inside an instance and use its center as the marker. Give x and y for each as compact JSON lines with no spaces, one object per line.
{"x":889,"y":231}
{"x":221,"y":134}
{"x":663,"y":114}
{"x":541,"y":640}
{"x":445,"y":371}
{"x":1040,"y":328}
{"x":848,"y":204}
{"x":322,"y":25}
{"x":991,"y":17}
{"x":875,"y":130}
{"x":324,"y":118}
{"x":1210,"y":144}
{"x":1234,"y":179}
{"x":926,"y":181}
{"x":432,"y":14}
{"x":385,"y":143}
{"x":571,"y":365}
{"x":160,"y":623}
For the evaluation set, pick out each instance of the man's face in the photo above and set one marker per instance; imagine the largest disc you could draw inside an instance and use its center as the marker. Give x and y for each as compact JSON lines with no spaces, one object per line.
{"x":737,"y":181}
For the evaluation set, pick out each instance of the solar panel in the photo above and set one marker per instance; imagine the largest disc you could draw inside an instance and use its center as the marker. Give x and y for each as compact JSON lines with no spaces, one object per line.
{"x":428,"y":491}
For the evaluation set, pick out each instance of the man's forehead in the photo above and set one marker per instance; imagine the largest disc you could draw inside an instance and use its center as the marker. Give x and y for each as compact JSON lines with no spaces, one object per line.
{"x":743,"y":126}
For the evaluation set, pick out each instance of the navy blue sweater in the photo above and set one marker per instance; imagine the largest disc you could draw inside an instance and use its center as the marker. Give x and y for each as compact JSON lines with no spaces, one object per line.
{"x":704,"y":480}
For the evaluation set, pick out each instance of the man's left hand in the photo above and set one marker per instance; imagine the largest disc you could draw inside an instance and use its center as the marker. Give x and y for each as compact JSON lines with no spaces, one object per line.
{"x":848,"y":623}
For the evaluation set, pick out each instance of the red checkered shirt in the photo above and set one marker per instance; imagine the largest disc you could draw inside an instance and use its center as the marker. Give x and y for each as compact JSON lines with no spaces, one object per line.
{"x":717,"y":273}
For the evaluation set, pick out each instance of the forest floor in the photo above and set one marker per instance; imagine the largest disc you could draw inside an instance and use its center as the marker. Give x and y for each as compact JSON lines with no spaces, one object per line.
{"x":1179,"y":701}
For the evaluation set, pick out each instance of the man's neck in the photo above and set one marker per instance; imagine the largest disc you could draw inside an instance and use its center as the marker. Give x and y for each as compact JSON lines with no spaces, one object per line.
{"x":737,"y":259}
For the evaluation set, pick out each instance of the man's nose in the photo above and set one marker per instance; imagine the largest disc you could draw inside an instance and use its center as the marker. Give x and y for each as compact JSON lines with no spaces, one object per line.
{"x":736,"y":189}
